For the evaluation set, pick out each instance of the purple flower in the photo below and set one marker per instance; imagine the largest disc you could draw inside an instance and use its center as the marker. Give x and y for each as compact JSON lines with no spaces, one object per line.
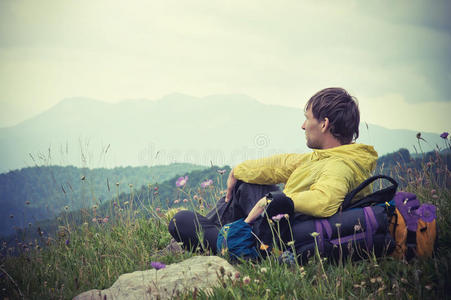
{"x":157,"y":265}
{"x":444,"y":135}
{"x":427,"y":212}
{"x":67,"y":242}
{"x":181,"y":181}
{"x":206,"y":183}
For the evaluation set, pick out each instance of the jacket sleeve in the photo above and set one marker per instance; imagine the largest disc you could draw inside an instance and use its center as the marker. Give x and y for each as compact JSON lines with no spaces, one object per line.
{"x":326,"y":195}
{"x":270,"y":170}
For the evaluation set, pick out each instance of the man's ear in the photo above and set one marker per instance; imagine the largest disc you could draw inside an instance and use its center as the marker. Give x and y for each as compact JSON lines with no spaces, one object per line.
{"x":325,"y":125}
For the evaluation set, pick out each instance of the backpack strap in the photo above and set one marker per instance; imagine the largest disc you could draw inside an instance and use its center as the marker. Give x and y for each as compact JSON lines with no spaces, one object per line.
{"x":377,"y":197}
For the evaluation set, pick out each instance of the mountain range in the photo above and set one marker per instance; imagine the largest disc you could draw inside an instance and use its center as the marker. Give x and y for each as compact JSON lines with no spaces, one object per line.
{"x":218,"y":129}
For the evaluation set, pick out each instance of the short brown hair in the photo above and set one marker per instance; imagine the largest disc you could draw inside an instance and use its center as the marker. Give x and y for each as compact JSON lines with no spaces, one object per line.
{"x":341,"y":109}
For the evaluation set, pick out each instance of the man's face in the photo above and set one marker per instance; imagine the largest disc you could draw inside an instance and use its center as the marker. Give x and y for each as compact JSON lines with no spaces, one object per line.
{"x":313,"y":132}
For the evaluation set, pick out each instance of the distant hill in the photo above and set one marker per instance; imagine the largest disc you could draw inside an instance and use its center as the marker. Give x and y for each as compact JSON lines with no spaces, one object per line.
{"x":219,"y":129}
{"x":142,"y":196}
{"x":38,"y":193}
{"x":395,"y":164}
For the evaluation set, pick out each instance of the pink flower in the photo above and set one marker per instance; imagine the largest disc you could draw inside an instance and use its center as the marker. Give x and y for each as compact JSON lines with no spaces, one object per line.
{"x":278,"y":217}
{"x":105,"y":220}
{"x":94,"y":219}
{"x":157,"y":209}
{"x":246,"y":280}
{"x":206,"y":183}
{"x":181,"y":181}
{"x":176,"y":201}
{"x":185,"y":200}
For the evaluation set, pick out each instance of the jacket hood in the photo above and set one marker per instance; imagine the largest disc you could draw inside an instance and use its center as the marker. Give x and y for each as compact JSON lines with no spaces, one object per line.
{"x":363,"y":155}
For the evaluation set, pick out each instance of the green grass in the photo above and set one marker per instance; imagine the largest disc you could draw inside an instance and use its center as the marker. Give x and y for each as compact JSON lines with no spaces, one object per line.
{"x":92,"y":256}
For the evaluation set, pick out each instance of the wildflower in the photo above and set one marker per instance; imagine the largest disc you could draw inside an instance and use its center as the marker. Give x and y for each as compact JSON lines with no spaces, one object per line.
{"x":130,"y":185}
{"x":433,"y":191}
{"x":427,"y":212}
{"x":256,"y":281}
{"x":185,"y":200}
{"x":176,"y":201}
{"x":338,"y":225}
{"x":246,"y":279}
{"x":206,"y":183}
{"x":314,"y":234}
{"x":126,"y":202}
{"x":373,"y":280}
{"x":157,"y":209}
{"x":237,"y":275}
{"x":202,"y":207}
{"x":83,"y":177}
{"x":66,"y":207}
{"x":117,"y":183}
{"x":181,"y":181}
{"x":157,"y":265}
{"x":263,"y":247}
{"x":94,"y":206}
{"x":435,"y":196}
{"x":357,"y":227}
{"x":221,"y":171}
{"x":428,"y":287}
{"x":195,"y":197}
{"x":155,"y":188}
{"x":94,"y":219}
{"x":67,"y":242}
{"x":105,"y":220}
{"x":278,"y":217}
{"x":290,"y":243}
{"x":263,"y":270}
{"x":27,"y":202}
{"x":444,"y":135}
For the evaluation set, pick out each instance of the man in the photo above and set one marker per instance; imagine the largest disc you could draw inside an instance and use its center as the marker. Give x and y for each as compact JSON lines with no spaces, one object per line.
{"x":315,"y":183}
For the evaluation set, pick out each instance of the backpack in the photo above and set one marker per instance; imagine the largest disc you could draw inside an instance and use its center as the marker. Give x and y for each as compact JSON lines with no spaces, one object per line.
{"x":236,"y":240}
{"x":363,"y":226}
{"x":413,"y":226}
{"x":332,"y":241}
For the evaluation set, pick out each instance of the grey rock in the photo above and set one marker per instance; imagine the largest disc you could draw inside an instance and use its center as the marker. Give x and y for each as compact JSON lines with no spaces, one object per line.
{"x":201,"y":272}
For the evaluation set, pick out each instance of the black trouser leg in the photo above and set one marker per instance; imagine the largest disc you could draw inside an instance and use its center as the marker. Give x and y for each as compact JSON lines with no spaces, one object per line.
{"x":186,"y":225}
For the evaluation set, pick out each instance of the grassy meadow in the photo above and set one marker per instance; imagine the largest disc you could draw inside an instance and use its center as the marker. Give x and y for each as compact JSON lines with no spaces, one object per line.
{"x":94,"y":252}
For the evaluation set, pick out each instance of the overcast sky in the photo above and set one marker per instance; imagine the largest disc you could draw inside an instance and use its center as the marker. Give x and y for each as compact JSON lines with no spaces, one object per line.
{"x":394,"y":56}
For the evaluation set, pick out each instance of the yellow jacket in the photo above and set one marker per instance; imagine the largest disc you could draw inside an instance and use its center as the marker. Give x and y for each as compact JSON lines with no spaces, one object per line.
{"x":317,"y":182}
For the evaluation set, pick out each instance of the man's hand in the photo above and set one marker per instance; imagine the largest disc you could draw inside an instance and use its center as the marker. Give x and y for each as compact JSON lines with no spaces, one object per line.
{"x":231,"y":181}
{"x":257,"y":210}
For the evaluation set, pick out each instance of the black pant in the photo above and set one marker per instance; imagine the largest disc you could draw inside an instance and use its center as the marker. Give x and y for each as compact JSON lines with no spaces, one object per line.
{"x":187,"y":226}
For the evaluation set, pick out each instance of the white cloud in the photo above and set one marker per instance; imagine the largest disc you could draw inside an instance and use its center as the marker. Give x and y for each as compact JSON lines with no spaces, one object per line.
{"x":278,"y":53}
{"x":393,"y":111}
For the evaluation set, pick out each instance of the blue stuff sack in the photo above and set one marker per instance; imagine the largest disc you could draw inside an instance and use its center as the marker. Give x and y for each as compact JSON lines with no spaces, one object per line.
{"x":237,"y":240}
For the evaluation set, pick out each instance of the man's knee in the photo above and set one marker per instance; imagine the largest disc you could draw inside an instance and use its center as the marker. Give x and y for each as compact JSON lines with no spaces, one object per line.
{"x":182,"y":225}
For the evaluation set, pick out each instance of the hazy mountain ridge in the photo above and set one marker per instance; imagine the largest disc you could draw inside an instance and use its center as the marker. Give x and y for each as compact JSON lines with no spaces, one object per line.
{"x":218,"y":129}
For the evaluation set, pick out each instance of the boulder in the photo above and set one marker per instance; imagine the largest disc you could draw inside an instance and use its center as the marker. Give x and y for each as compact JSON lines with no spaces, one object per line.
{"x":201,"y":272}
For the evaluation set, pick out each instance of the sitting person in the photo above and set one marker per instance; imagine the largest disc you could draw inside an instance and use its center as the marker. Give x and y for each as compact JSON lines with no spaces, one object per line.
{"x":316,"y":182}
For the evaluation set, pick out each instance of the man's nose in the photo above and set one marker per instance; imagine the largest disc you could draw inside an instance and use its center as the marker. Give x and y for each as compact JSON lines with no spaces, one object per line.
{"x":303,"y":126}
